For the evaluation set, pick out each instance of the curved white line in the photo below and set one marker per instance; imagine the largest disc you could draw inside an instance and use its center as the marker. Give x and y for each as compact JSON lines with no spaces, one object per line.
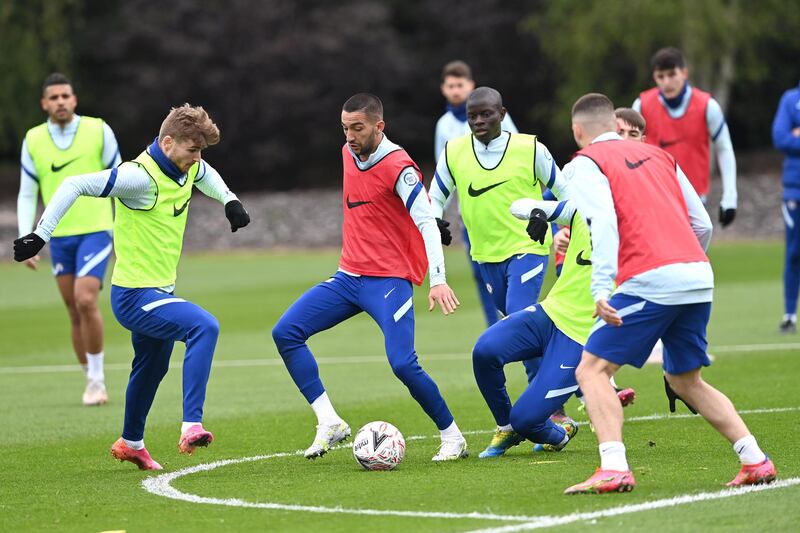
{"x":160,"y":485}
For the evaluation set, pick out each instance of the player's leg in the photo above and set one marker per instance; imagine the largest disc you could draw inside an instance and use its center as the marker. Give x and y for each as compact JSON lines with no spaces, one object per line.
{"x":487,"y":303}
{"x":66,"y":287}
{"x":150,"y":365}
{"x":520,"y":336}
{"x":608,"y":348}
{"x":389,"y":301}
{"x":685,"y":355}
{"x":552,"y":386}
{"x":524,"y":278}
{"x":321,"y":307}
{"x":91,"y":259}
{"x":791,"y":266}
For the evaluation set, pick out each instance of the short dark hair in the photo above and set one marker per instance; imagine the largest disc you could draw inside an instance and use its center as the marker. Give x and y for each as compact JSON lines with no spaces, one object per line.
{"x":457,"y":69}
{"x":632,"y":117}
{"x":56,"y":78}
{"x":667,"y":59}
{"x":366,"y":102}
{"x":593,"y":104}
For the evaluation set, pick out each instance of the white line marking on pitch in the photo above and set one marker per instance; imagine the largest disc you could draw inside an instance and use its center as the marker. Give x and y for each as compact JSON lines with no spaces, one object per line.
{"x":349,"y":360}
{"x":551,"y":521}
{"x":160,"y":485}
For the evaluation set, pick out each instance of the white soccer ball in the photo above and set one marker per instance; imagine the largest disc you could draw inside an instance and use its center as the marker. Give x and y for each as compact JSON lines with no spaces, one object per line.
{"x":379,"y":446}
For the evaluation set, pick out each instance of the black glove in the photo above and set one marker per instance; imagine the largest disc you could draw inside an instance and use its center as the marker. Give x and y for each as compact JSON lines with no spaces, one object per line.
{"x":537,"y":225}
{"x":726,"y":216}
{"x":447,"y":237}
{"x":237,"y":215}
{"x":672,"y":396}
{"x":27,"y":246}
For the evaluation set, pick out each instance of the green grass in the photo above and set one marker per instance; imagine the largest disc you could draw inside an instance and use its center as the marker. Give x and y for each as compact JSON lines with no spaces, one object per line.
{"x":56,"y":473}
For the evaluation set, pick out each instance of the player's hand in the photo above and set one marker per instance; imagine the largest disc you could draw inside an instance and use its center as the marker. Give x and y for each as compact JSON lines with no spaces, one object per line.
{"x":447,"y":237}
{"x":607,"y":313}
{"x":726,"y":216}
{"x":537,"y":225}
{"x":445,"y":297}
{"x":237,"y":215}
{"x":561,"y":240}
{"x":796,"y":132}
{"x":32,"y":263}
{"x":27,"y":247}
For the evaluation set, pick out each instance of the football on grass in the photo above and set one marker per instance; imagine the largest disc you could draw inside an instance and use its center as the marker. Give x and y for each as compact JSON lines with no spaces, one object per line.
{"x":379,"y":446}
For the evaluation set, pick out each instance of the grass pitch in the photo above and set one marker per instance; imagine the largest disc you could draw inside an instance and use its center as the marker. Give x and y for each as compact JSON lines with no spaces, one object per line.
{"x":57,"y":474}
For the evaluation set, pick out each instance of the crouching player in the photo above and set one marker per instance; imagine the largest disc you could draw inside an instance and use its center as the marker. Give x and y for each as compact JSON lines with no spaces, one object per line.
{"x":554,"y":330}
{"x":649,"y":234}
{"x":152,"y":195}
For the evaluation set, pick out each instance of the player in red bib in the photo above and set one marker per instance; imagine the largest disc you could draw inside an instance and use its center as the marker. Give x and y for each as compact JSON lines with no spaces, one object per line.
{"x":389,"y":238}
{"x":649,"y":234}
{"x":684,"y":121}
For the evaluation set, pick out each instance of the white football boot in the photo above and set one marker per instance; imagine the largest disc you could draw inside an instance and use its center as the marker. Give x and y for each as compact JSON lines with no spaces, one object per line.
{"x":451,"y":449}
{"x":327,"y":436}
{"x":95,"y":393}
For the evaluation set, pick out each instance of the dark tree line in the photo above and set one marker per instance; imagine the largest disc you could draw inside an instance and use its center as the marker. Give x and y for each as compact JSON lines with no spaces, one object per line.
{"x":274,"y":73}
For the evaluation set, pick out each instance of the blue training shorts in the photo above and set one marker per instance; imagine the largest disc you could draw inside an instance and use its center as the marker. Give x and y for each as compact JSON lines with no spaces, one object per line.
{"x":682,"y":328}
{"x":81,"y":255}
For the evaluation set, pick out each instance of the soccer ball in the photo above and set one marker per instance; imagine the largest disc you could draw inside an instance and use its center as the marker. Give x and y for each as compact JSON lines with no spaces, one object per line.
{"x":379,"y":446}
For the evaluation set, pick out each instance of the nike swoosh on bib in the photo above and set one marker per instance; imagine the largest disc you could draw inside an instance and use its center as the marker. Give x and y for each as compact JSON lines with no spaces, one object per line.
{"x":177,"y":211}
{"x":581,"y":261}
{"x":56,"y":168}
{"x":477,"y":192}
{"x":351,"y":205}
{"x":664,"y":144}
{"x":634,"y":166}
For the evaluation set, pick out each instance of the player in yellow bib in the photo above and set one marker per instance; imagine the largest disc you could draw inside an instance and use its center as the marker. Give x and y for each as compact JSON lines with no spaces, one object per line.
{"x":552,"y":331}
{"x":152,"y":195}
{"x":65,"y":145}
{"x":489,"y":169}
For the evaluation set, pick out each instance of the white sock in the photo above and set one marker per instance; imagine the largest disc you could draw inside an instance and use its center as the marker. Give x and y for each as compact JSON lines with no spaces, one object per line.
{"x":324,"y":410}
{"x":134,"y":444}
{"x":451,"y":432}
{"x":748,"y":451}
{"x":507,"y":427}
{"x":95,"y":366}
{"x":85,"y":368}
{"x":612,"y":456}
{"x":187,"y":425}
{"x":790,"y":316}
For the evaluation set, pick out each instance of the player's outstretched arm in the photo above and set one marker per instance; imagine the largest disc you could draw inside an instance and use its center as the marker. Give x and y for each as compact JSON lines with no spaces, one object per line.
{"x":210,"y":183}
{"x":726,"y":159}
{"x":444,"y":296}
{"x":540,"y":214}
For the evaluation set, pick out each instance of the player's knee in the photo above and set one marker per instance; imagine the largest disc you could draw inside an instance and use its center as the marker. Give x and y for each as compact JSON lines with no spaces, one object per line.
{"x":521,"y":420}
{"x":85,"y":303}
{"x":405,"y":369}
{"x":486,"y":350}
{"x":287,"y":335}
{"x":210,"y":324}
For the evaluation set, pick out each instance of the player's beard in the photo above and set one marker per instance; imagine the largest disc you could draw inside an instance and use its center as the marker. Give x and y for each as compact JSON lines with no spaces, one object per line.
{"x":369,"y":146}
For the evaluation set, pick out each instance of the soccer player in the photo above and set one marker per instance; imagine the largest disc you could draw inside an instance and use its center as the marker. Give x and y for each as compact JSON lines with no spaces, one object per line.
{"x":457,"y":84}
{"x":152,"y":195}
{"x":490,"y":168}
{"x":64,"y":145}
{"x":649,"y":230}
{"x":553,"y":330}
{"x":786,"y":138}
{"x":631,"y":125}
{"x":389,"y":238}
{"x":683,"y":120}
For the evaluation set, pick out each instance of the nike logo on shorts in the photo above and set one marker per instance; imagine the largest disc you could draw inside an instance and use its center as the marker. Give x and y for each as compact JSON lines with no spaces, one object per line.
{"x":565,"y":367}
{"x":388,"y":293}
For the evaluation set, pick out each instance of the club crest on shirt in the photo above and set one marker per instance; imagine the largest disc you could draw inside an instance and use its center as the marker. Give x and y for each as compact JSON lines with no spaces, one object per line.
{"x":410,"y":178}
